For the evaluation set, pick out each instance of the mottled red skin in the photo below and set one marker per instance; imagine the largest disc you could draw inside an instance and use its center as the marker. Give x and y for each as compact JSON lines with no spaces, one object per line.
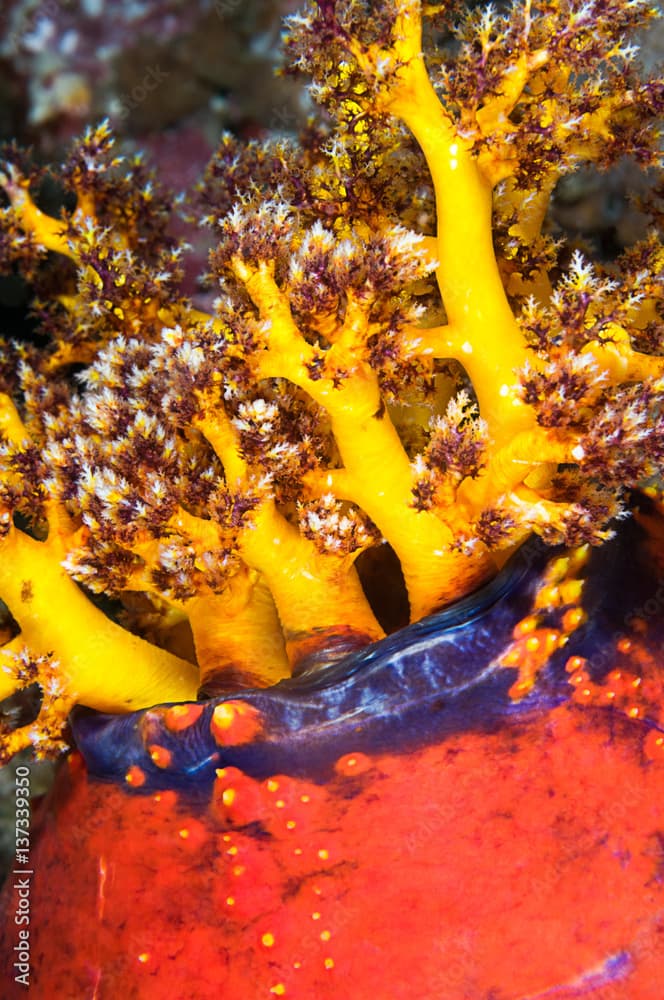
{"x":493,"y":866}
{"x":516,"y":855}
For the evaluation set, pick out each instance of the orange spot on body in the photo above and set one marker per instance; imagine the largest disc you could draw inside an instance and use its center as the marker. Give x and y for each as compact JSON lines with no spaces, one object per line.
{"x":525,"y":627}
{"x":236,"y":797}
{"x":575,"y":663}
{"x":192,"y":836}
{"x":552,"y":640}
{"x":573,"y":618}
{"x":353,"y":763}
{"x":166,"y":798}
{"x":235,"y":722}
{"x":135,"y":776}
{"x":75,"y":764}
{"x":654,"y":745}
{"x":180,"y":717}
{"x":160,"y":755}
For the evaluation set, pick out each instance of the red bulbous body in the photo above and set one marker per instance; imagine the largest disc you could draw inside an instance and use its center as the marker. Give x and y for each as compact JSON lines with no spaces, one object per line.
{"x":513,"y":861}
{"x":518,"y":856}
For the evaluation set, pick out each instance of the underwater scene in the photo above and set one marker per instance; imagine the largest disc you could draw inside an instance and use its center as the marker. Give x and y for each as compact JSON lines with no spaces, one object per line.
{"x":331,"y":500}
